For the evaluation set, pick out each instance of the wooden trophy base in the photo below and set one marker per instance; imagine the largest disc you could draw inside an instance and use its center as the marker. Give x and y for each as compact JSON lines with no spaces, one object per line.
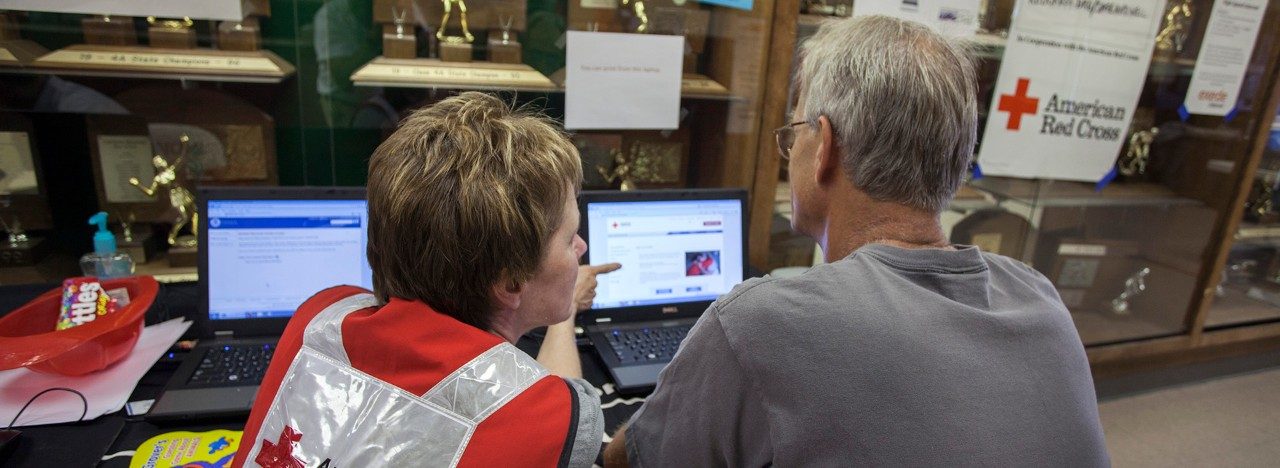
{"x":19,"y":52}
{"x":171,"y":38}
{"x":400,"y":46}
{"x":26,"y":254}
{"x":142,"y":248}
{"x":509,"y":52}
{"x":457,"y":53}
{"x":254,"y":66}
{"x":117,"y":31}
{"x":183,"y":256}
{"x":433,"y":73}
{"x":240,"y":35}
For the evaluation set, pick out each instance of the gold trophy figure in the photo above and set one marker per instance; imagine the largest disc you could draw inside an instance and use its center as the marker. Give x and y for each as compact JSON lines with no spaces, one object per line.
{"x":1135,"y":160}
{"x":1176,"y":27}
{"x":637,"y":7}
{"x":179,"y":197}
{"x":621,"y":170}
{"x":466,"y":36}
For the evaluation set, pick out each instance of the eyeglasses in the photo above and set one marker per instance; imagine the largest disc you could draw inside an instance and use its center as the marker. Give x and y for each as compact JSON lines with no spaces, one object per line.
{"x":786,"y":137}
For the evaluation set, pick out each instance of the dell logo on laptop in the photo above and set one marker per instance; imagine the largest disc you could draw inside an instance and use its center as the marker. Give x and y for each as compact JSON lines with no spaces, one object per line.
{"x":670,"y":310}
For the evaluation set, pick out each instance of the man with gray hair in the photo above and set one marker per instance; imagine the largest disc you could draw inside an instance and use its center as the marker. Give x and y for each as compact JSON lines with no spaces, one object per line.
{"x":903,"y":349}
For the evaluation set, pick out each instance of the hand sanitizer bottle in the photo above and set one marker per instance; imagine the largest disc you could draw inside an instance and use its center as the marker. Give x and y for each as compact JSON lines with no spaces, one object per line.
{"x":105,"y":262}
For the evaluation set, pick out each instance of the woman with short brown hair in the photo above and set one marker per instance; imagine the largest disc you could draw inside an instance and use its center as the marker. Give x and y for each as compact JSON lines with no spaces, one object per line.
{"x":473,"y":242}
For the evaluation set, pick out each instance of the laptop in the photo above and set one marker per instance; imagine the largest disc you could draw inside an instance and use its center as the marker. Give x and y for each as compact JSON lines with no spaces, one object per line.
{"x":679,"y":250}
{"x":263,"y":251}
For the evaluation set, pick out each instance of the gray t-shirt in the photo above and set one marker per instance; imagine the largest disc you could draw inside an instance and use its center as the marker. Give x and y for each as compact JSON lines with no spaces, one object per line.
{"x":888,"y":357}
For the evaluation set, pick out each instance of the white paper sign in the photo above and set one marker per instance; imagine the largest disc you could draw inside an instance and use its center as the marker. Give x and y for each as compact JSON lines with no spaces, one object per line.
{"x":622,"y":81}
{"x":1068,"y":85}
{"x":957,"y":18}
{"x":1224,"y":56}
{"x":122,"y":157}
{"x":196,"y":9}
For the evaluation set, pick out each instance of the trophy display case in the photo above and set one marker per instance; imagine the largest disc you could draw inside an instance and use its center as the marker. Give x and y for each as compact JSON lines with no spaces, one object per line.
{"x":1149,"y":258}
{"x":162,"y":99}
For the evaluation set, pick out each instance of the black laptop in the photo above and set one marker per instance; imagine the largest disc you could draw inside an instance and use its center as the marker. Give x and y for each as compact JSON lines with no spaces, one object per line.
{"x":263,"y":251}
{"x":679,"y":250}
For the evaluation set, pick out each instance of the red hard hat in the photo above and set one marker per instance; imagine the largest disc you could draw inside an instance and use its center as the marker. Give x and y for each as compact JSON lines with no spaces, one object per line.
{"x":28,"y":337}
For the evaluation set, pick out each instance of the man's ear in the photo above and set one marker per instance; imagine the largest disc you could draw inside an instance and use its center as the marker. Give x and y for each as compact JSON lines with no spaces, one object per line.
{"x":827,"y":164}
{"x":506,"y":293}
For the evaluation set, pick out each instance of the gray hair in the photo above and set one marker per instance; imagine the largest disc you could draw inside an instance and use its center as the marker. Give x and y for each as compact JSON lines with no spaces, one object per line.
{"x":902,"y":101}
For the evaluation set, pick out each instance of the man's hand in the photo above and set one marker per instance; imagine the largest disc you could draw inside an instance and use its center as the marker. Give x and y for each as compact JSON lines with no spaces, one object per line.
{"x":584,"y":290}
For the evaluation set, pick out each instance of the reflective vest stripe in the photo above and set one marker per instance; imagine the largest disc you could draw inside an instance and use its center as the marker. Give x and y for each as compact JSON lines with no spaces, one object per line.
{"x":352,"y":418}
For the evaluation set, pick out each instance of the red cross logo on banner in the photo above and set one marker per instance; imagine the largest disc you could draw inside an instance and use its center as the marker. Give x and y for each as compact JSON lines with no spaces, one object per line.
{"x":280,"y":454}
{"x":1017,"y":104}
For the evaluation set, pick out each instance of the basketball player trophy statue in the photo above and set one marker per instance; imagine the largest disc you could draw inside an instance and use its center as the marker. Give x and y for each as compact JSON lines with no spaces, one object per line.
{"x":455,"y":48}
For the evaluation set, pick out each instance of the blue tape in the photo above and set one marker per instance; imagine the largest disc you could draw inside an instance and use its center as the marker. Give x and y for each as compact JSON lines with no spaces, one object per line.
{"x":977,"y":171}
{"x":1106,"y":179}
{"x":1183,"y":113}
{"x":1231,"y":114}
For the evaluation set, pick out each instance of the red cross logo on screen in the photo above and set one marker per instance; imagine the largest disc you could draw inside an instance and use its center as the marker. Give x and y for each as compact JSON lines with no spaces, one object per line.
{"x":1017,"y":104}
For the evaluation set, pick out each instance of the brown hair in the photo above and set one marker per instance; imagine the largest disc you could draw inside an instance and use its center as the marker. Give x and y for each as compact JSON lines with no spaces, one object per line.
{"x":464,"y":193}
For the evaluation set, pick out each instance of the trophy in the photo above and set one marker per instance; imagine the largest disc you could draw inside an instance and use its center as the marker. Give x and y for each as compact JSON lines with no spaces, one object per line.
{"x":1260,"y":206}
{"x":505,"y":49}
{"x":455,"y":48}
{"x":1134,"y":162}
{"x":109,"y":30}
{"x":1177,"y":26}
{"x":137,"y":244}
{"x":645,"y":162}
{"x":399,"y":40}
{"x":1133,"y":286}
{"x":171,"y":34}
{"x":167,"y":179}
{"x":21,"y":250}
{"x":639,"y":17}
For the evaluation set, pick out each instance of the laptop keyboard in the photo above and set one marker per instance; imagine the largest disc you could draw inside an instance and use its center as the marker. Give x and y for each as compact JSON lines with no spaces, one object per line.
{"x":646,"y":344}
{"x":232,"y":365}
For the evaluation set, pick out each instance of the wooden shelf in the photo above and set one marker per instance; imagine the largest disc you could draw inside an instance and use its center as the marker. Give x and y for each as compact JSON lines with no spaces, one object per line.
{"x":1243,"y":305}
{"x":259,"y":66}
{"x":1060,"y":193}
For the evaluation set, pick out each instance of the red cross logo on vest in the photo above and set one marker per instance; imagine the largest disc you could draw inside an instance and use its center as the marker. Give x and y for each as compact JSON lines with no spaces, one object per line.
{"x":1017,"y":104}
{"x":280,"y":454}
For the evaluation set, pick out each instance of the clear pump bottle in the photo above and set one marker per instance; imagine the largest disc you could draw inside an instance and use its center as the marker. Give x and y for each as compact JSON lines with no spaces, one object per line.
{"x":105,"y":262}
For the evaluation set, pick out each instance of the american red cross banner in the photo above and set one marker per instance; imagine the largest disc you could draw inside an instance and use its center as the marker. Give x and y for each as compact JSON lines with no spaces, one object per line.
{"x":1068,"y":85}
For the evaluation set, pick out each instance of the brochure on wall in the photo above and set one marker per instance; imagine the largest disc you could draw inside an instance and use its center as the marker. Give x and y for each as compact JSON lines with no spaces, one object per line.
{"x":957,"y":18}
{"x":622,"y":81}
{"x":1224,"y":56}
{"x":1068,"y":86}
{"x":197,"y":9}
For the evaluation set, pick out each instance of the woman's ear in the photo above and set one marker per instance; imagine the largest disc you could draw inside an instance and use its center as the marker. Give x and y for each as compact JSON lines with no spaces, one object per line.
{"x":506,"y":293}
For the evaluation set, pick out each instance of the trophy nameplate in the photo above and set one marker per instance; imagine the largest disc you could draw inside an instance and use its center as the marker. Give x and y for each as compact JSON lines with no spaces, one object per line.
{"x":503,"y":46}
{"x":243,"y":35}
{"x":260,"y":64}
{"x":399,"y":41}
{"x":430,"y":73}
{"x":109,"y":30}
{"x":171,"y":34}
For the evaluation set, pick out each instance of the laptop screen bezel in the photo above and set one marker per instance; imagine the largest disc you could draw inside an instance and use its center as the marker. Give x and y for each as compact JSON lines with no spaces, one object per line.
{"x":256,"y":326}
{"x":654,"y":312}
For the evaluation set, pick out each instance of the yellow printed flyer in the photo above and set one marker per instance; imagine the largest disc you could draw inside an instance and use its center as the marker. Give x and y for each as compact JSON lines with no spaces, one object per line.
{"x":212,"y":449}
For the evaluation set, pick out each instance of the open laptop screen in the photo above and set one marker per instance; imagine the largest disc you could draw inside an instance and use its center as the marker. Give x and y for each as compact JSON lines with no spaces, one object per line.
{"x":671,"y":251}
{"x":268,"y":256}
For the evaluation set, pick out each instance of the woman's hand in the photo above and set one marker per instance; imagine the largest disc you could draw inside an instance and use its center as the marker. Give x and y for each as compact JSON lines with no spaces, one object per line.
{"x":584,"y":289}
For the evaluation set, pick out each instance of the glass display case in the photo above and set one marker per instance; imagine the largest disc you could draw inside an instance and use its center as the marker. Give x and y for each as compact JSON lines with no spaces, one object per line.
{"x":1134,"y":255}
{"x":96,"y":106}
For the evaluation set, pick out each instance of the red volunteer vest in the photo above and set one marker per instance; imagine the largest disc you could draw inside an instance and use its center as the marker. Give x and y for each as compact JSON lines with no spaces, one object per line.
{"x":418,"y":385}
